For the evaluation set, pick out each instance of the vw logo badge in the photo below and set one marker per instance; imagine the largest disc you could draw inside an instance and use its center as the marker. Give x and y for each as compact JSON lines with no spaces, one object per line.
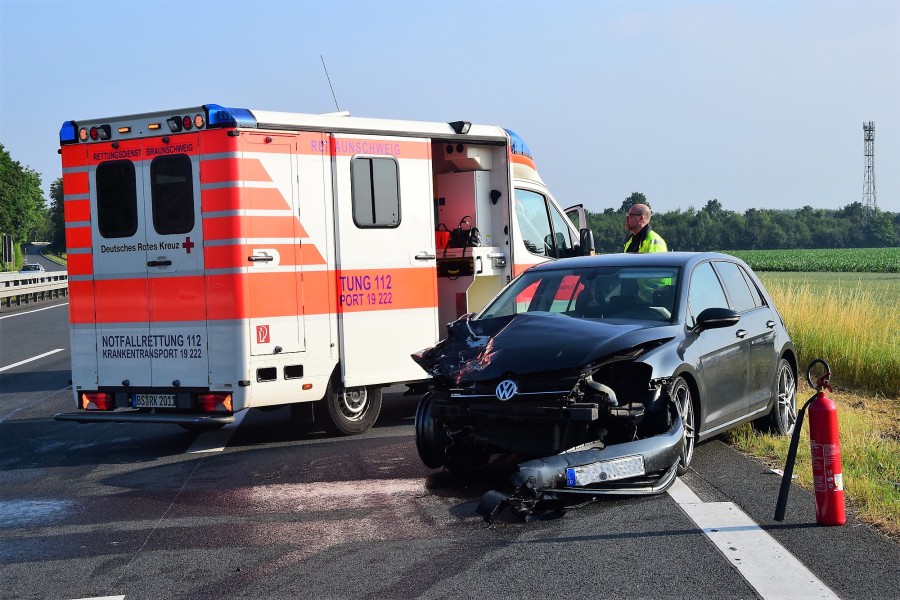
{"x":506,"y":389}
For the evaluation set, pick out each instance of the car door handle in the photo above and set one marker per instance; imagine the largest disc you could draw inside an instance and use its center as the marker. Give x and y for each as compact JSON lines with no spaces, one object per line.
{"x":159,"y":263}
{"x":770,"y":324}
{"x":426,"y":256}
{"x":741,"y":333}
{"x":260,"y":258}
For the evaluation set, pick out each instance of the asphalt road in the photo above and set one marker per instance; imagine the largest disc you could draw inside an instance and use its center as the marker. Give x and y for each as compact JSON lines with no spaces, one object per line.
{"x":32,"y":254}
{"x":274,"y":511}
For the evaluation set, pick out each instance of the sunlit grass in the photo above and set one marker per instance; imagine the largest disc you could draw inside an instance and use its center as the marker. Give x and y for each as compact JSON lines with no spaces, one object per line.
{"x":854,"y":326}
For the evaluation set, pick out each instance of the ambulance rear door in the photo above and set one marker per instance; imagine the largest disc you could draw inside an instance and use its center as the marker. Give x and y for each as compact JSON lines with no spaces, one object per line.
{"x":387,"y":267}
{"x":148,"y":264}
{"x":176,"y":284}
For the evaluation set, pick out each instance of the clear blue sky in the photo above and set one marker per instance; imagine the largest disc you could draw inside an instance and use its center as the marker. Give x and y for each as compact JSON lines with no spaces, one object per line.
{"x":756,"y":103}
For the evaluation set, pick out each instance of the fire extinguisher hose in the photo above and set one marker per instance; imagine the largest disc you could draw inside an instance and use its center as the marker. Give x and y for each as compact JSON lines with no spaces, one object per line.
{"x":821,"y":383}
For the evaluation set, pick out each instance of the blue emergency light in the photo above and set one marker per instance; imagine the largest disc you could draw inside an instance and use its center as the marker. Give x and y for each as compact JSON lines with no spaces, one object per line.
{"x":67,"y":133}
{"x":220,"y":116}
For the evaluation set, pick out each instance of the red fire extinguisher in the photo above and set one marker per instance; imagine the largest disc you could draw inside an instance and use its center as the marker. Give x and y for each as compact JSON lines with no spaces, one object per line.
{"x":825,"y":447}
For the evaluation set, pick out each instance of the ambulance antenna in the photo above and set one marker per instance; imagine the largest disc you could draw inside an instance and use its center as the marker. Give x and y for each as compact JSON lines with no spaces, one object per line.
{"x":329,"y":83}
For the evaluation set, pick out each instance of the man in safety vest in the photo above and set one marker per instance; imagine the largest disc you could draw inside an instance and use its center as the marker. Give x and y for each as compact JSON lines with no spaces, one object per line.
{"x":642,"y":239}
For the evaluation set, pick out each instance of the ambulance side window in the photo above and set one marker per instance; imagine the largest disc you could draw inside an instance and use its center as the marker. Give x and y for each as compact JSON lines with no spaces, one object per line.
{"x":116,"y":199}
{"x":172,"y":190}
{"x":375,"y":185}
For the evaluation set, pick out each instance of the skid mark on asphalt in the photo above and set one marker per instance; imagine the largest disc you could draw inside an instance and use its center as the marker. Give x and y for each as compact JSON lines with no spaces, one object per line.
{"x":763,"y":562}
{"x":375,"y":510}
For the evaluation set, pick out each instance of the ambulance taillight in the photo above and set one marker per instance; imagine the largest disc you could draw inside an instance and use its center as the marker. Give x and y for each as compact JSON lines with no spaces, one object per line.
{"x":97,"y":401}
{"x":99,"y":132}
{"x":214,"y":402}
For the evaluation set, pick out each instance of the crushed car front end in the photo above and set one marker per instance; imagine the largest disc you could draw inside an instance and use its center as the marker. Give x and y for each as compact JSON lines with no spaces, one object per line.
{"x":600,"y":422}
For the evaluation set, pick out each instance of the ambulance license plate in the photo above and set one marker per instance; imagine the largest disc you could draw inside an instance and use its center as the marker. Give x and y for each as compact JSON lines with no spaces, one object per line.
{"x":153,"y":401}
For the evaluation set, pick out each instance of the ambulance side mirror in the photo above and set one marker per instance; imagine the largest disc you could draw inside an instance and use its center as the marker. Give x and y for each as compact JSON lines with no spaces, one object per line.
{"x":586,"y":242}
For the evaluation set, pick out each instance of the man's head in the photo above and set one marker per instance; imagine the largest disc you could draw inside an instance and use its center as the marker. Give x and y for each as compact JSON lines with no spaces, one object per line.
{"x":637,"y":217}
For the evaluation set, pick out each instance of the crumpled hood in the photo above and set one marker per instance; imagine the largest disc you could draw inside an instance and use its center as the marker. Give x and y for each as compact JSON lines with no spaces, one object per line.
{"x":530,"y":343}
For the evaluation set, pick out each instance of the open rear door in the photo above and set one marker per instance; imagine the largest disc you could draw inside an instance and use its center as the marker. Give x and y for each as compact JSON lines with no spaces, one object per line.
{"x":386,"y":262}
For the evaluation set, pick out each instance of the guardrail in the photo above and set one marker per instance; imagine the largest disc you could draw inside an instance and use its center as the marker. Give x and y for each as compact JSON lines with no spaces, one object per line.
{"x":22,"y":288}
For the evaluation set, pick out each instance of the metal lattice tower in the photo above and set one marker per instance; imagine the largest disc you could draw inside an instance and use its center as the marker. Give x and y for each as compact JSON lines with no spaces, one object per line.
{"x":869,"y":201}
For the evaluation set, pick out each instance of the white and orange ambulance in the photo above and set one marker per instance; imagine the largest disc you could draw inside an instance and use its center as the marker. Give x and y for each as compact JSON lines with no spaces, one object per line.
{"x":222,"y":259}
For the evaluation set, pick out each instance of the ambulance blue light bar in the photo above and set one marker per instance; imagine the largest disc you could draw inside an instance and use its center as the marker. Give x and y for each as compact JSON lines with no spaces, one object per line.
{"x":518,"y":144}
{"x":67,"y":133}
{"x":221,"y":116}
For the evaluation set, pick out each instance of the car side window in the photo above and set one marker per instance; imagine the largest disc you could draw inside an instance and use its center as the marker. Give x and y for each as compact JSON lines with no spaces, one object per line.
{"x":705,"y":292}
{"x":754,"y":291}
{"x":736,"y":286}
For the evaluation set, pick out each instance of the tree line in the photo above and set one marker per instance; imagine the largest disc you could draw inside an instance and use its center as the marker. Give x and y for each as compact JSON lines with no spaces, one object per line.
{"x":26,"y":216}
{"x":713,"y":228}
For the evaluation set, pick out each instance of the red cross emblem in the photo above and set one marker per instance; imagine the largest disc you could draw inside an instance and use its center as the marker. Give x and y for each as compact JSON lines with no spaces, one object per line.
{"x":187,"y":244}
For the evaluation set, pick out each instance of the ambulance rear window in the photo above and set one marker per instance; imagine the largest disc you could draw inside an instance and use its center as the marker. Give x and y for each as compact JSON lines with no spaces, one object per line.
{"x":172,"y":190}
{"x":116,"y":199}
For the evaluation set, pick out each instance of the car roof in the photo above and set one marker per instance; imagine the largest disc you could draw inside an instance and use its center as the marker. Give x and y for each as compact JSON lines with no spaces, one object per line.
{"x":648,"y":259}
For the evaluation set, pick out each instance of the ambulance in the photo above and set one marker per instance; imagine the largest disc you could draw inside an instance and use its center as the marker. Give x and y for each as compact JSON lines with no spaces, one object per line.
{"x":221,"y":259}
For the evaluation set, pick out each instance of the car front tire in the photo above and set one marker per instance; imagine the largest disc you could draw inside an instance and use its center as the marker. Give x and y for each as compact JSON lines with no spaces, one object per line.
{"x":680,"y":392}
{"x":431,"y":438}
{"x":783,"y":416}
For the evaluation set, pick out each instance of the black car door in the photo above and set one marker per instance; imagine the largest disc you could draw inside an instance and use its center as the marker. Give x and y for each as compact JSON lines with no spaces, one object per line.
{"x":758,"y":322}
{"x":719,"y":355}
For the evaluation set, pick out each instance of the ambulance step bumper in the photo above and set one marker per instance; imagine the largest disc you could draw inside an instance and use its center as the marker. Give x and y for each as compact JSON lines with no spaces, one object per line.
{"x":129,"y":416}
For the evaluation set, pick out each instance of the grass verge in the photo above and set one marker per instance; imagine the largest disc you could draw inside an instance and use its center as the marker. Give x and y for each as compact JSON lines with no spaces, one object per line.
{"x":852,"y":320}
{"x":870,"y":446}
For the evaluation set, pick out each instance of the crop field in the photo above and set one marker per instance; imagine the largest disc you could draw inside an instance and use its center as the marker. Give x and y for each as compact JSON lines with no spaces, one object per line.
{"x":856,"y":260}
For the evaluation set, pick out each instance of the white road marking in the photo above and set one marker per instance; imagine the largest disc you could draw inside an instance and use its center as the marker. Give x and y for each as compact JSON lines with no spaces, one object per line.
{"x":104,"y":598}
{"x":28,"y":360}
{"x":763,"y":562}
{"x":215,"y":441}
{"x":36,"y":402}
{"x":28,"y":312}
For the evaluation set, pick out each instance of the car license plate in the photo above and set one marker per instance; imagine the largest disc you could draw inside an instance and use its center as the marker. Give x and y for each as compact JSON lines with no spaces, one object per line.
{"x":606,"y":470}
{"x":153,"y":401}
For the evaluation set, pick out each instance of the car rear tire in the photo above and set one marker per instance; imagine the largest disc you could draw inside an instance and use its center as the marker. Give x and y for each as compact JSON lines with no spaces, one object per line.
{"x":348,"y":411}
{"x":783,"y":416}
{"x":431,"y":438}
{"x":680,"y":392}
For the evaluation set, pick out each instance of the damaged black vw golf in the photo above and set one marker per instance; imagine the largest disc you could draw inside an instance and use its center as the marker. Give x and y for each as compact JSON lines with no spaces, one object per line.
{"x":603,"y":372}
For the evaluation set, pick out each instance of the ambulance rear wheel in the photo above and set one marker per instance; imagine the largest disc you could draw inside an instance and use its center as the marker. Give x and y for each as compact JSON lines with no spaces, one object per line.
{"x":349,"y":411}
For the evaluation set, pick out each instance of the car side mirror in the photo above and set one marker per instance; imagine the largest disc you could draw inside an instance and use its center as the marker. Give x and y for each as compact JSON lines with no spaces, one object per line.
{"x":716,"y":318}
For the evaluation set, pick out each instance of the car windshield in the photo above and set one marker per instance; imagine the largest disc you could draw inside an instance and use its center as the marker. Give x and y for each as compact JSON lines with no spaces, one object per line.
{"x":623,"y":293}
{"x":31,"y":268}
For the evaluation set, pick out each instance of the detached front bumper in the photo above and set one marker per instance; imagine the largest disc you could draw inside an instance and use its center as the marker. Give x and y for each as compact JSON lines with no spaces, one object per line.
{"x":612,"y":470}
